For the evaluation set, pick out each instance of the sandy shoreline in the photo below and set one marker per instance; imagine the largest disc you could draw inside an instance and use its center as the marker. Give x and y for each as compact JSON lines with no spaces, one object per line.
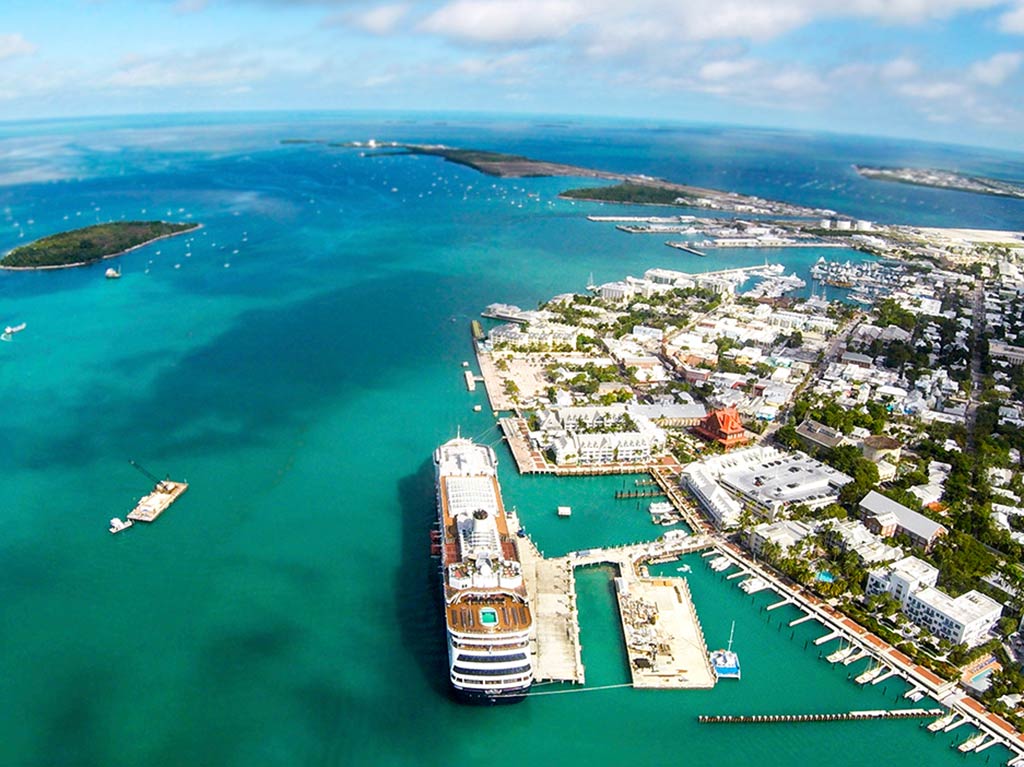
{"x":98,"y":260}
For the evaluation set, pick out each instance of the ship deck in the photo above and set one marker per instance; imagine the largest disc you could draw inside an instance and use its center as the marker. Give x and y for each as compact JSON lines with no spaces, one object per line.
{"x":463,"y":605}
{"x":512,"y":615}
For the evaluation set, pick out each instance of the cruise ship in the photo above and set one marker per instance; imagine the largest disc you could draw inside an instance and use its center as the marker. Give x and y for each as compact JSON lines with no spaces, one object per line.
{"x":487,"y":611}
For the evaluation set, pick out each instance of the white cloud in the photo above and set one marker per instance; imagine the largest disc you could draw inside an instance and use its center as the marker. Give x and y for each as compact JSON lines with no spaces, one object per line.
{"x":995,"y":70}
{"x":15,"y":45}
{"x":1013,"y":20}
{"x":796,"y":81}
{"x":914,"y":11}
{"x":205,"y":69}
{"x":478,"y":67}
{"x":725,"y":69}
{"x":379,"y":80}
{"x":382,"y":19}
{"x":505,"y":21}
{"x":940,"y":90}
{"x":899,"y":69}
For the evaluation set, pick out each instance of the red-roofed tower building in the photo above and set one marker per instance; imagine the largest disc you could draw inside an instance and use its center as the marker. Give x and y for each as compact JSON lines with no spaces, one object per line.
{"x":723,"y":427}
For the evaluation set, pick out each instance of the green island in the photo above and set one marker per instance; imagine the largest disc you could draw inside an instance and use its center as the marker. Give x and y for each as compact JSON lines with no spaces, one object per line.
{"x":79,"y":247}
{"x":638,"y":189}
{"x":640,"y":194}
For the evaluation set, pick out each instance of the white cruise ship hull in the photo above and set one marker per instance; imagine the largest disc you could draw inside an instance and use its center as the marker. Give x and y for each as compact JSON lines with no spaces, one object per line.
{"x":487,"y":612}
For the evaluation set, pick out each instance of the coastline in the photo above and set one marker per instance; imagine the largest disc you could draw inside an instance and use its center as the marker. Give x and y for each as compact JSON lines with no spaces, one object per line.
{"x":77,"y":264}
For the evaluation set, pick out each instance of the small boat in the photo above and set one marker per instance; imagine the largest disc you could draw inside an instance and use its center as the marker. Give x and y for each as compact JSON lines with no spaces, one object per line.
{"x":10,"y":330}
{"x":725,"y":662}
{"x":112,"y":273}
{"x":971,"y":743}
{"x":719,"y":563}
{"x":663,"y":513}
{"x":565,"y":511}
{"x":754,"y":585}
{"x":869,"y":674}
{"x":117,"y":525}
{"x":841,"y":654}
{"x":941,"y":722}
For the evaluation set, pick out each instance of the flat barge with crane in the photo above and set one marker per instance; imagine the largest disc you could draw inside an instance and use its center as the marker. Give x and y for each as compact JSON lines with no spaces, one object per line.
{"x":164,"y":493}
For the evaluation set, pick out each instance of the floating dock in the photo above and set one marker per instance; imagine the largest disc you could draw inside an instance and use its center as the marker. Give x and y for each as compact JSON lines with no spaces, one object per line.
{"x":158,"y":501}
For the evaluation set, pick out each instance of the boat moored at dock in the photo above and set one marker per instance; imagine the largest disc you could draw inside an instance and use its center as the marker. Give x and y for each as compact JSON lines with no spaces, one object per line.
{"x":726,"y":663}
{"x":487,"y":611}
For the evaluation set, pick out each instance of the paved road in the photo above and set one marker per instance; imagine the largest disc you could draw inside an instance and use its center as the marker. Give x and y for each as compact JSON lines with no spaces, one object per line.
{"x":978,"y":327}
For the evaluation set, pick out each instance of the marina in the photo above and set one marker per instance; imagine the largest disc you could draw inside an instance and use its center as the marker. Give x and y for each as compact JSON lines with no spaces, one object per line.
{"x":857,"y":643}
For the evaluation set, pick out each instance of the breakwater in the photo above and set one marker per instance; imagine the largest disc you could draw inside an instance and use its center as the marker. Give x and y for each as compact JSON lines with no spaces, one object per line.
{"x":846,"y":716}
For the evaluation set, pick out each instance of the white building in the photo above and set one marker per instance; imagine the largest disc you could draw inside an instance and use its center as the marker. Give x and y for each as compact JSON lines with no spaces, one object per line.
{"x":785,"y":534}
{"x":901,"y":579}
{"x":851,"y":535}
{"x":768,"y":480}
{"x":967,"y":619}
{"x":616,"y":447}
{"x":722,"y":508}
{"x":596,"y":435}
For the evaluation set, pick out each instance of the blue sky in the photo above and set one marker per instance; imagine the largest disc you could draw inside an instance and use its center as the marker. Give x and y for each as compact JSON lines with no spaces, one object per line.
{"x":949,"y":70}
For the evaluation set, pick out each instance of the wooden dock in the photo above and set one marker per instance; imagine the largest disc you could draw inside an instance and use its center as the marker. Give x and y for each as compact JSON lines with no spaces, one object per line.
{"x":158,"y":501}
{"x":846,"y":716}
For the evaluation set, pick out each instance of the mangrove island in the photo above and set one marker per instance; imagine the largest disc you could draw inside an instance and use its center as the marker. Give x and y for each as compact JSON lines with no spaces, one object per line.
{"x":80,"y":247}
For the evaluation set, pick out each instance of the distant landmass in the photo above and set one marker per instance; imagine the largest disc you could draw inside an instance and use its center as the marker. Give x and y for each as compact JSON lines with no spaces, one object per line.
{"x":79,"y":247}
{"x":943,"y":179}
{"x":635,"y":189}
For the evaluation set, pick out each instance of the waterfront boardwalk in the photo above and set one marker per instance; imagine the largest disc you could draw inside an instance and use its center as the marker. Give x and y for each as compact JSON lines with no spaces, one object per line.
{"x":158,"y":501}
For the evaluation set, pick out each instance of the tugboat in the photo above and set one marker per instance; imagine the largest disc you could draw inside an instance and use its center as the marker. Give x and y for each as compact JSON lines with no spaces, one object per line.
{"x":725,"y":662}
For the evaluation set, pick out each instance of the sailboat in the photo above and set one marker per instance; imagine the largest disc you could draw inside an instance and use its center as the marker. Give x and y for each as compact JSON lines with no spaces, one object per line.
{"x":725,"y":662}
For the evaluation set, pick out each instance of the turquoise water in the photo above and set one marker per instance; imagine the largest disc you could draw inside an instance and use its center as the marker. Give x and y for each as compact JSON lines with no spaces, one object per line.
{"x":283,"y":612}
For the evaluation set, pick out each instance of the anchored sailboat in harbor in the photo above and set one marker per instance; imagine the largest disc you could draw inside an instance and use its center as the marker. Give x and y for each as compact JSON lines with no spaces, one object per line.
{"x":487,"y":611}
{"x":725,"y":662}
